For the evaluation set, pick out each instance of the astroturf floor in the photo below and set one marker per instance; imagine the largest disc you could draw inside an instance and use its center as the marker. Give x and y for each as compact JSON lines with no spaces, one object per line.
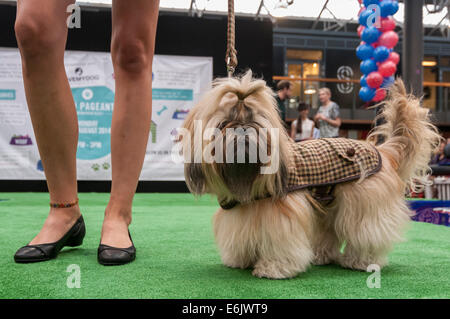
{"x":177,"y":258}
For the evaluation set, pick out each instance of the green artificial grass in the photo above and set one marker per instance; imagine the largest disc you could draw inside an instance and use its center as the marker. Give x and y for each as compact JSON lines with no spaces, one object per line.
{"x":177,"y":258}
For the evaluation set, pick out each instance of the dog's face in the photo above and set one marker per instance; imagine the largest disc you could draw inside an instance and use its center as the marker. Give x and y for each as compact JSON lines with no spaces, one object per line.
{"x":234,"y":143}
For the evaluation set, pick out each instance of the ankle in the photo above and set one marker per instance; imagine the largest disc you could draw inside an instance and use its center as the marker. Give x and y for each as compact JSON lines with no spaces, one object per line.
{"x":122,"y":216}
{"x":68,"y":214}
{"x":119,"y":212}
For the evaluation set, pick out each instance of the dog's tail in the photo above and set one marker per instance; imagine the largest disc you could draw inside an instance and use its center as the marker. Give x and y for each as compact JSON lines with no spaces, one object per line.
{"x":409,"y":136}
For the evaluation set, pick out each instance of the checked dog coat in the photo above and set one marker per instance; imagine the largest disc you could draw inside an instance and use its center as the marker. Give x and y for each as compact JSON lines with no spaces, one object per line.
{"x":318,"y":165}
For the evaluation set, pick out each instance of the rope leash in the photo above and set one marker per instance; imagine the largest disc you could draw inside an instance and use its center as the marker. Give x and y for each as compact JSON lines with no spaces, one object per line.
{"x":230,"y":56}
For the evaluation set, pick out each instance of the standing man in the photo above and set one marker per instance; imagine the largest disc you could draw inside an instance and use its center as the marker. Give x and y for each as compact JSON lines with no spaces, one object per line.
{"x":284,"y":93}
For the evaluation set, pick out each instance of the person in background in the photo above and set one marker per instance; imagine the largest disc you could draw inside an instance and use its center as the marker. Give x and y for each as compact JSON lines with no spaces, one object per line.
{"x":284,"y":93}
{"x":302,"y":128}
{"x":439,"y":158}
{"x":327,"y":117}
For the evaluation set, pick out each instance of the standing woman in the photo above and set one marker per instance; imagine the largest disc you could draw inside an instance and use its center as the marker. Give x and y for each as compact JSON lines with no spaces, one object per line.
{"x":327,"y":117}
{"x":302,"y":128}
{"x":41,"y":32}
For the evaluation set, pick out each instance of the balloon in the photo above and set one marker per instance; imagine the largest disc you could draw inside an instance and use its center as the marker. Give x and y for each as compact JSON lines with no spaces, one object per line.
{"x":369,"y":2}
{"x":394,"y":57}
{"x":364,"y":16}
{"x":374,"y":80}
{"x":360,"y":30}
{"x":363,"y":80}
{"x":388,"y":39}
{"x":388,"y":82}
{"x":381,"y":53}
{"x":380,"y":95}
{"x":360,"y":11}
{"x":375,"y":45}
{"x":387,"y":68}
{"x":386,"y":24}
{"x":388,"y":7}
{"x":368,"y":66}
{"x":366,"y":94}
{"x":364,"y":51}
{"x":371,"y":35}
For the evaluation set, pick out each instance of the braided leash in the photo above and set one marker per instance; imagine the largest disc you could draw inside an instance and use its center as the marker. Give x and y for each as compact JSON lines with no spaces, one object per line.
{"x":230,"y":57}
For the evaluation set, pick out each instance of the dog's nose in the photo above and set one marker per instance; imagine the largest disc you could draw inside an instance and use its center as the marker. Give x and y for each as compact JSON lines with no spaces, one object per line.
{"x":351,"y":151}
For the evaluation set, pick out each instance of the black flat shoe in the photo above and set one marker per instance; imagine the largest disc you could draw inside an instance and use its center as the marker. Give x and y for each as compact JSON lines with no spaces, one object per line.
{"x":43,"y":252}
{"x":112,"y":256}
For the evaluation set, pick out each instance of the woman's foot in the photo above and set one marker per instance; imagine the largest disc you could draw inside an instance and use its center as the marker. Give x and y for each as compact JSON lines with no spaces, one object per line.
{"x":115,"y":227}
{"x":58,"y":223}
{"x":61,"y":228}
{"x":116,"y":246}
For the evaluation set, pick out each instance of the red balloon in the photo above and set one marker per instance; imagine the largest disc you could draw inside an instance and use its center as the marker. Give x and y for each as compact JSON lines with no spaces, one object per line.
{"x":376,"y":44}
{"x":387,"y":24}
{"x":394,"y":57}
{"x":380,"y":95}
{"x":387,"y":68}
{"x":388,"y":39}
{"x":374,"y":80}
{"x":360,"y":30}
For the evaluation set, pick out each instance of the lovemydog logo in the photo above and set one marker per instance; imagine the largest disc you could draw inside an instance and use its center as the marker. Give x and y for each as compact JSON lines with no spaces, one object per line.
{"x":79,"y":77}
{"x":79,"y":71}
{"x":21,"y":140}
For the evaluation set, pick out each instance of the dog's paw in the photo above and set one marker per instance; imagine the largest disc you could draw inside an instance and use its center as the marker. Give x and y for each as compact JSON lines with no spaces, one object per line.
{"x":270,"y":274}
{"x":235,"y":263}
{"x":235,"y":266}
{"x":361,"y":265}
{"x":321,"y":259}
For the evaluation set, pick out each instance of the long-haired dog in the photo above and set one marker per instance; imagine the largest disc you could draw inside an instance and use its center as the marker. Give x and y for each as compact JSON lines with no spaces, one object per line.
{"x":279,"y":233}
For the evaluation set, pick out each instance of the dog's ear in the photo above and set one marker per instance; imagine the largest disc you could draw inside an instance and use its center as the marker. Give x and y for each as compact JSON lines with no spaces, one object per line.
{"x":195,"y":178}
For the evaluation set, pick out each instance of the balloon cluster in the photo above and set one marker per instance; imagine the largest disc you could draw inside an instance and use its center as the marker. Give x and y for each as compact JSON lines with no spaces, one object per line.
{"x":379,"y":60}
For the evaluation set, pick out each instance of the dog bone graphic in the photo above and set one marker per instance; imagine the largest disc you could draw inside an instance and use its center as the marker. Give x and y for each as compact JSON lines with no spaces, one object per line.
{"x":162,"y":110}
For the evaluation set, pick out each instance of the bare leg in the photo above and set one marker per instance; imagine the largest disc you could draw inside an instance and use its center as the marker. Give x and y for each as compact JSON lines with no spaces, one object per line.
{"x":41,"y":33}
{"x":132,"y":49}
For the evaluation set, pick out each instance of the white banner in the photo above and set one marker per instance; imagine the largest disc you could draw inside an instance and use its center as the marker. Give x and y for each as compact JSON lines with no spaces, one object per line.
{"x":178,"y":83}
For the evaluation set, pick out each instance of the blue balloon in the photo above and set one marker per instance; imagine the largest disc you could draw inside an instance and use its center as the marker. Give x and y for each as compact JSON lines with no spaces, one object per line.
{"x":381,"y":53}
{"x":388,"y":8}
{"x":394,"y":8}
{"x":370,"y":35}
{"x":368,"y":66}
{"x":387,"y":82}
{"x":364,"y":51}
{"x":363,"y":81}
{"x":366,"y":94}
{"x":369,"y":2}
{"x":364,"y":16}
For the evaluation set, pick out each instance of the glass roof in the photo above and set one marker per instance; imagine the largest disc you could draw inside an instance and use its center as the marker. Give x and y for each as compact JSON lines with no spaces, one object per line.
{"x":335,"y":9}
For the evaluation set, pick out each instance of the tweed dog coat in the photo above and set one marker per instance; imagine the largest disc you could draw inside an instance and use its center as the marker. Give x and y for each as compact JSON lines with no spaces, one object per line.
{"x":318,"y":165}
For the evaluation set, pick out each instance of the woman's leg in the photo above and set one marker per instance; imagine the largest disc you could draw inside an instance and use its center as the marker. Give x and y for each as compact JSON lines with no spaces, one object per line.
{"x":41,"y":33}
{"x":132,"y":49}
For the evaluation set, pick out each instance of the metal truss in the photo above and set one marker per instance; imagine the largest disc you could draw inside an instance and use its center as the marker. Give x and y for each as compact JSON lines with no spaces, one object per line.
{"x":443,"y":27}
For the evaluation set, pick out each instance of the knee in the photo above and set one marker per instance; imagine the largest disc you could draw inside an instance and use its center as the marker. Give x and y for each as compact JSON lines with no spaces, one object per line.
{"x":34,"y":36}
{"x":132,"y":55}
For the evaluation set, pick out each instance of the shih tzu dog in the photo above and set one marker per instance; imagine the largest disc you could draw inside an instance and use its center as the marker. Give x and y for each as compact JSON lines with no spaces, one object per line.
{"x":287,"y":205}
